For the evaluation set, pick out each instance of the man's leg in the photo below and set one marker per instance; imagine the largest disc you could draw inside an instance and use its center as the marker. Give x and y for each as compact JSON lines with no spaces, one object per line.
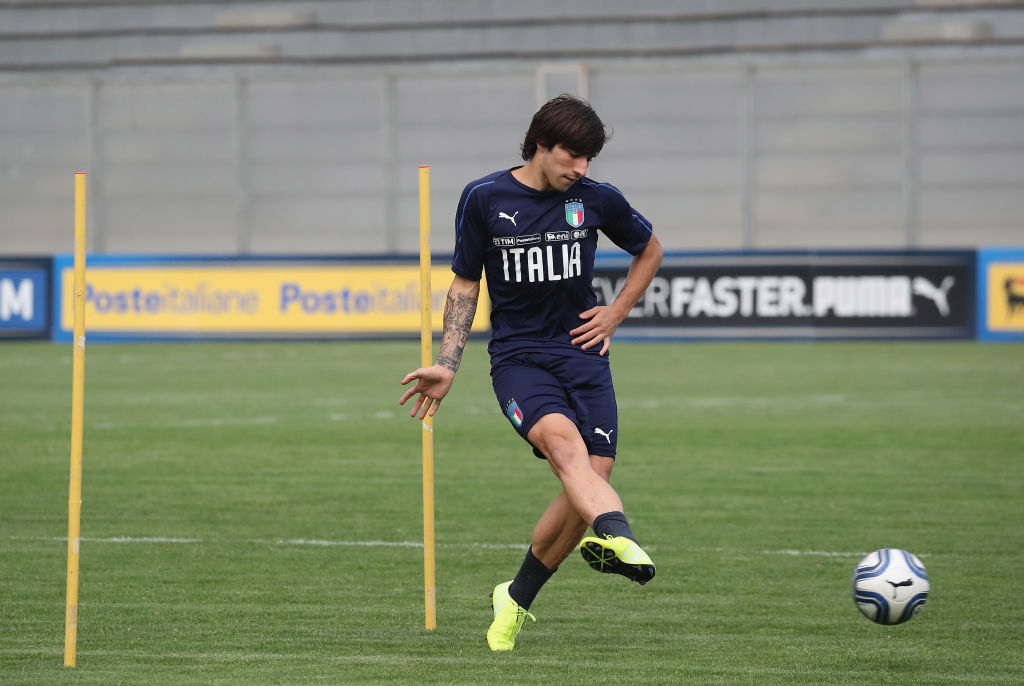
{"x":614,"y":549}
{"x":587,"y":492}
{"x":557,"y":534}
{"x":560,"y":528}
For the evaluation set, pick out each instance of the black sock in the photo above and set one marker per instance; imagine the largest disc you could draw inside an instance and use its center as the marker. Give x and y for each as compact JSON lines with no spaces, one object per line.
{"x":531,"y":577}
{"x":613,"y":524}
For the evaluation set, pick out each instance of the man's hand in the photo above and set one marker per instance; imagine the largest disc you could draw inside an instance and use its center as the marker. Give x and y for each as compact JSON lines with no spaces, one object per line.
{"x":601,"y":325}
{"x":432,"y":384}
{"x":604,"y":320}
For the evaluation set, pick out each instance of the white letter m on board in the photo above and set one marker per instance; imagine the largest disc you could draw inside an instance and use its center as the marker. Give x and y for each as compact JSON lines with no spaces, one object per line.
{"x":15,"y":300}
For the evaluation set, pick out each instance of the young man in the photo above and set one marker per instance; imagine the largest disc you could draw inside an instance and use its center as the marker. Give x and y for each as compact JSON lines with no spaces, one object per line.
{"x":534,"y":230}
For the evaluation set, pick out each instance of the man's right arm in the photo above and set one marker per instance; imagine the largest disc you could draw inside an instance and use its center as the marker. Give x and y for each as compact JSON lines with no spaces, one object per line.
{"x":433,"y":383}
{"x":459,"y":312}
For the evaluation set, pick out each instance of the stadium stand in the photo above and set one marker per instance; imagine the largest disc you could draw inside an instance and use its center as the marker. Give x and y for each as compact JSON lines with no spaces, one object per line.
{"x":263,"y":127}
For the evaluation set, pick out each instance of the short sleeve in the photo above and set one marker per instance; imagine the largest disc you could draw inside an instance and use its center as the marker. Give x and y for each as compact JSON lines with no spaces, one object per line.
{"x":471,"y":232}
{"x":626,"y":227}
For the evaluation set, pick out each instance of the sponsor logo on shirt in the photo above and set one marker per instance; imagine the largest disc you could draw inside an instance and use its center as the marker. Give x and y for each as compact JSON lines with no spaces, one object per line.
{"x":528,"y":240}
{"x":510,"y":217}
{"x":552,"y":236}
{"x":503,"y":240}
{"x":537,"y":265}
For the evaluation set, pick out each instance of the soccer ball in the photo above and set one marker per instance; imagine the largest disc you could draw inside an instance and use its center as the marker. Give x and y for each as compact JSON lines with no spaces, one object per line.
{"x":890,"y":586}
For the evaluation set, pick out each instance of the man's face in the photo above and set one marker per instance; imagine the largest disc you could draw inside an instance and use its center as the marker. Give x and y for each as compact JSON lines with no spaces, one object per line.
{"x":561,"y":167}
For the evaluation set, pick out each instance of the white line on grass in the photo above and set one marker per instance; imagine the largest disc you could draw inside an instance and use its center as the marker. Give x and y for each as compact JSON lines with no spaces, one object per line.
{"x":788,"y":551}
{"x":364,"y":544}
{"x":191,"y":423}
{"x":811,"y":553}
{"x":112,"y":539}
{"x":325,"y":543}
{"x":222,"y":421}
{"x":280,"y":541}
{"x":144,"y":539}
{"x":738,"y":401}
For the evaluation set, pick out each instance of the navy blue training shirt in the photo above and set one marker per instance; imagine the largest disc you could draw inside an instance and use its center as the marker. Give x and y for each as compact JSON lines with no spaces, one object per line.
{"x":537,"y":249}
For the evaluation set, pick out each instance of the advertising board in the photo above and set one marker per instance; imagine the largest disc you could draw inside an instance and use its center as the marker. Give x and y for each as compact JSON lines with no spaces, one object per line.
{"x":139,"y":297}
{"x":1001,"y":294}
{"x":24,"y":298}
{"x":802,"y":295}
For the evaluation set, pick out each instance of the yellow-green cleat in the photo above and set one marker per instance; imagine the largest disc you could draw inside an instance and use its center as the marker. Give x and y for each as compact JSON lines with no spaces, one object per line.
{"x":618,"y":555}
{"x":508,"y":619}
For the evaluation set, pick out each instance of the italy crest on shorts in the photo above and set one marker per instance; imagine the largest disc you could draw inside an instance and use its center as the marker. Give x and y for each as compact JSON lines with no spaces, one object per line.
{"x":515,"y":415}
{"x":574,"y":213}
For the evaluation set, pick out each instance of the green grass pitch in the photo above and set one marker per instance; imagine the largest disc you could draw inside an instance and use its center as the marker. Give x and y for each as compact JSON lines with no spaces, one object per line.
{"x":252,"y":515}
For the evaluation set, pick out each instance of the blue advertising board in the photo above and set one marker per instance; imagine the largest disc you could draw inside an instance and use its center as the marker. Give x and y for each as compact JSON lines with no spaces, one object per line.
{"x":24,"y":298}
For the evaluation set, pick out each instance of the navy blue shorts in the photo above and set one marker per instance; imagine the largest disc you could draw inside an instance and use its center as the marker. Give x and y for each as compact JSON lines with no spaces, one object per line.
{"x":531,"y":385}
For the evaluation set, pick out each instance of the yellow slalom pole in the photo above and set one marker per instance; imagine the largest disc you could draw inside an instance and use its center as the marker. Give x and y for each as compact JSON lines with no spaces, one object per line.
{"x":426,"y":359}
{"x":77,"y":406}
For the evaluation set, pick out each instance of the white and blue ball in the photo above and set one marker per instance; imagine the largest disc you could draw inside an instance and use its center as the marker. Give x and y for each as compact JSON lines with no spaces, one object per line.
{"x":890,"y":586}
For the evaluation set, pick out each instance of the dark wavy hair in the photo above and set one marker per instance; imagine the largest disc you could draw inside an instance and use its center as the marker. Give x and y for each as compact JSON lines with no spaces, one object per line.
{"x":570,"y":121}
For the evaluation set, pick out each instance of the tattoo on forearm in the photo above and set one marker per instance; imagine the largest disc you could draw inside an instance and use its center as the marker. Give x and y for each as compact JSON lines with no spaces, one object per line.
{"x":459,"y":311}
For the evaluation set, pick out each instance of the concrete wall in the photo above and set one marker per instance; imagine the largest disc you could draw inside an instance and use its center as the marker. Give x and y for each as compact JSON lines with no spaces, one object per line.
{"x":811,"y":124}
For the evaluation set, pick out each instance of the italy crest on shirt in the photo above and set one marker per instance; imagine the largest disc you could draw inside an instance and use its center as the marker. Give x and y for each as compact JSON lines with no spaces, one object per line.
{"x":574,"y":213}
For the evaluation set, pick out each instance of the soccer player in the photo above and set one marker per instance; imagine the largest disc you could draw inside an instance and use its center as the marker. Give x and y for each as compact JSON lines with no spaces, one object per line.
{"x":534,"y":230}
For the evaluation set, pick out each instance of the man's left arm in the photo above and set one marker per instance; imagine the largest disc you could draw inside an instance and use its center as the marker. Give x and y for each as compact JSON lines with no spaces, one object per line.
{"x":603,"y":320}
